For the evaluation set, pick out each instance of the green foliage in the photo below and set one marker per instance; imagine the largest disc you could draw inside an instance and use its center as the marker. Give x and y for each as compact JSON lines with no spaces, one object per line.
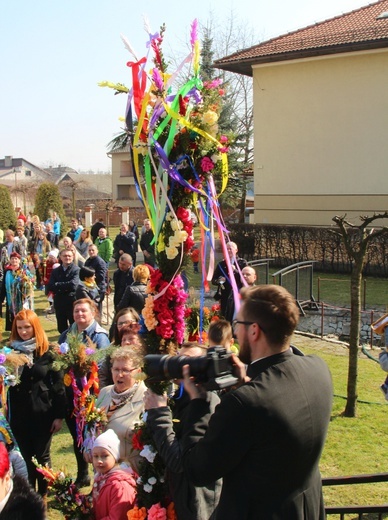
{"x":7,"y":212}
{"x":47,"y":200}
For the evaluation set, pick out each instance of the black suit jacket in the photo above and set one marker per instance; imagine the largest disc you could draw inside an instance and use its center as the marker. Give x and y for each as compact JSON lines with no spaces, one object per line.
{"x":226,"y":288}
{"x":265,"y":439}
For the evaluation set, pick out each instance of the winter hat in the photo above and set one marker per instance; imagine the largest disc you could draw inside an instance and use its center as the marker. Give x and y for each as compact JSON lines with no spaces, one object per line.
{"x":54,"y":253}
{"x":110,"y":442}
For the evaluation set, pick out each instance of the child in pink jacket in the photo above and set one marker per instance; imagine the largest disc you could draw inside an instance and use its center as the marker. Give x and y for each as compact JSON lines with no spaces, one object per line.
{"x":114,"y":490}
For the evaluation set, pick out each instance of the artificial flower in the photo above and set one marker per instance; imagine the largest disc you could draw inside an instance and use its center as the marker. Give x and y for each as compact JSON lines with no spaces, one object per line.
{"x":67,"y":379}
{"x":63,"y":348}
{"x":148,"y":453}
{"x":136,"y":441}
{"x":147,"y":488}
{"x":157,"y":512}
{"x":210,"y":117}
{"x":137,"y":513}
{"x":207,"y":164}
{"x":171,"y":252}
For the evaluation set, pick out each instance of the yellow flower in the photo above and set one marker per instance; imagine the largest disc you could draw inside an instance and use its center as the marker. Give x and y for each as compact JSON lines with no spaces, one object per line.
{"x":210,"y":117}
{"x":160,"y":246}
{"x":67,"y":379}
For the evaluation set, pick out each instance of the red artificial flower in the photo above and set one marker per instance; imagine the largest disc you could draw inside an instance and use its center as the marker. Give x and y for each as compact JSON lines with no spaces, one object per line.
{"x":207,"y":164}
{"x":136,"y":441}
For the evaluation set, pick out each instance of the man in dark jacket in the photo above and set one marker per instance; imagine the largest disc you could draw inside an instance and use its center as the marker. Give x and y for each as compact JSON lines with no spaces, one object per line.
{"x":97,"y":263}
{"x":266,"y":437}
{"x":124,"y":243}
{"x":98,"y":224}
{"x":147,"y":245}
{"x":221,"y":276}
{"x":63,"y":283}
{"x":122,"y":278}
{"x":165,"y":425}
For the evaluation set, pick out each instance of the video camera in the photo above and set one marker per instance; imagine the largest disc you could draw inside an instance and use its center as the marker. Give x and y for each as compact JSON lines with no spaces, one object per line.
{"x":214,"y":371}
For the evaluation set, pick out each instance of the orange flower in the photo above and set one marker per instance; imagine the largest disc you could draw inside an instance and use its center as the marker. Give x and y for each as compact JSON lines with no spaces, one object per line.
{"x":137,"y":514}
{"x":67,"y":379}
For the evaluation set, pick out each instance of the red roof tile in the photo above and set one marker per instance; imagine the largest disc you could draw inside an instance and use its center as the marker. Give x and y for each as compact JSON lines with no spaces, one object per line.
{"x":357,"y":30}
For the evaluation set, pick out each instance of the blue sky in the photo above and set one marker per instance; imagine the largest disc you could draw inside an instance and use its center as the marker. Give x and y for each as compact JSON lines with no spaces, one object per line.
{"x":53,"y":54}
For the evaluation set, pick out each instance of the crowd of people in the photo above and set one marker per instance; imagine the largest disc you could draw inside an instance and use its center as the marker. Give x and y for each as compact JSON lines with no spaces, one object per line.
{"x":236,"y":452}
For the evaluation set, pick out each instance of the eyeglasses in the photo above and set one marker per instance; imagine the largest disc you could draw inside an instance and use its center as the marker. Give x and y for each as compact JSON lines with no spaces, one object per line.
{"x":122,"y":323}
{"x":239,"y":322}
{"x":124,"y":371}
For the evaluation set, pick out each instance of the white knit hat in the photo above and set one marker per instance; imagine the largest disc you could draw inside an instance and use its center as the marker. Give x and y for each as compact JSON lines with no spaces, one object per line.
{"x":110,"y":442}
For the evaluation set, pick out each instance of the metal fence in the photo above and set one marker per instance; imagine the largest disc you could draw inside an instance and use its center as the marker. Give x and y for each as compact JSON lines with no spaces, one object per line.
{"x":298,"y":280}
{"x":379,"y":512}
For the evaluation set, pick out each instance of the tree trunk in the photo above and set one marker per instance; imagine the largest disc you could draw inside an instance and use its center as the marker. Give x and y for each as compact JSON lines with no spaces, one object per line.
{"x":243,"y":202}
{"x":354,"y":341}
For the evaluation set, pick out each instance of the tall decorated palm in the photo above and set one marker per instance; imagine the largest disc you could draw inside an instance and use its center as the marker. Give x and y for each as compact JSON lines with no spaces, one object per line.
{"x":178,"y":153}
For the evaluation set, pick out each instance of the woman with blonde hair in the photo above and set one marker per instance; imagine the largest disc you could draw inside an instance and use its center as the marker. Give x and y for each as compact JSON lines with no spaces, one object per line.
{"x":135,"y":294}
{"x":82,"y":243}
{"x":37,"y":404}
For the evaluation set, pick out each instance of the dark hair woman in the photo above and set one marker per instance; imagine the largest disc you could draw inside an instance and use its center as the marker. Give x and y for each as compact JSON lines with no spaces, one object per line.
{"x":87,"y":287}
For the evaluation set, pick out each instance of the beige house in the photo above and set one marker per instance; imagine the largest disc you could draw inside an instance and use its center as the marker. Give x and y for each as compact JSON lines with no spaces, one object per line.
{"x":123,"y":181}
{"x":320,"y":119}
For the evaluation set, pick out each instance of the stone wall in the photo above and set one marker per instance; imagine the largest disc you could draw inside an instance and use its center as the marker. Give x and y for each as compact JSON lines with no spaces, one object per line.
{"x":336,"y":323}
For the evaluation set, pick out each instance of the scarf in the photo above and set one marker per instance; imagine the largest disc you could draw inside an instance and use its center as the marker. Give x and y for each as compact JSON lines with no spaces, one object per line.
{"x":119,"y":400}
{"x":27,"y":348}
{"x":89,"y":285}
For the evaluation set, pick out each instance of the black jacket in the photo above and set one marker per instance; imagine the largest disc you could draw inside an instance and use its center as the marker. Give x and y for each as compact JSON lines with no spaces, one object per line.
{"x":121,"y":280}
{"x":98,"y":264}
{"x":225,"y":289}
{"x":265,"y":439}
{"x":40,"y":395}
{"x":23,"y":503}
{"x":134,"y":296}
{"x":124,"y":243}
{"x":64,"y":284}
{"x":190,"y":502}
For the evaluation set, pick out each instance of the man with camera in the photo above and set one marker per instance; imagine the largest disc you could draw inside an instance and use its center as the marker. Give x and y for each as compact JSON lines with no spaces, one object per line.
{"x":165,"y":425}
{"x":265,"y":438}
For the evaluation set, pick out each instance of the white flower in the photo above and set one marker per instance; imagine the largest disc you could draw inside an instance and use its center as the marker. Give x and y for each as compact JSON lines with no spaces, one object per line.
{"x":63,"y":348}
{"x":148,"y":453}
{"x":176,"y":225}
{"x":181,"y":235}
{"x":215,"y":157}
{"x":152,"y":481}
{"x":147,"y":488}
{"x":171,"y":253}
{"x":139,"y":481}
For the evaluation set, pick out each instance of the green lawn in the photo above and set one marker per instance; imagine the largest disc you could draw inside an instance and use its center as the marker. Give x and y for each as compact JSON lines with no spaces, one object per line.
{"x":353,"y":446}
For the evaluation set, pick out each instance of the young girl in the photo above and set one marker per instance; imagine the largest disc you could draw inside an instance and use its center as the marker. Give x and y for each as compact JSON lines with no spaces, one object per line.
{"x":114,"y":490}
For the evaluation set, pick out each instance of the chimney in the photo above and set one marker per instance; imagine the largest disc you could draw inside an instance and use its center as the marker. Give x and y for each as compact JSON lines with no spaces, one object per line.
{"x":8,"y":161}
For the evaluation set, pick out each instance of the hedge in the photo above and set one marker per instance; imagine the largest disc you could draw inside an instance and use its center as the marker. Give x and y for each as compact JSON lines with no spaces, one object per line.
{"x":291,"y":244}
